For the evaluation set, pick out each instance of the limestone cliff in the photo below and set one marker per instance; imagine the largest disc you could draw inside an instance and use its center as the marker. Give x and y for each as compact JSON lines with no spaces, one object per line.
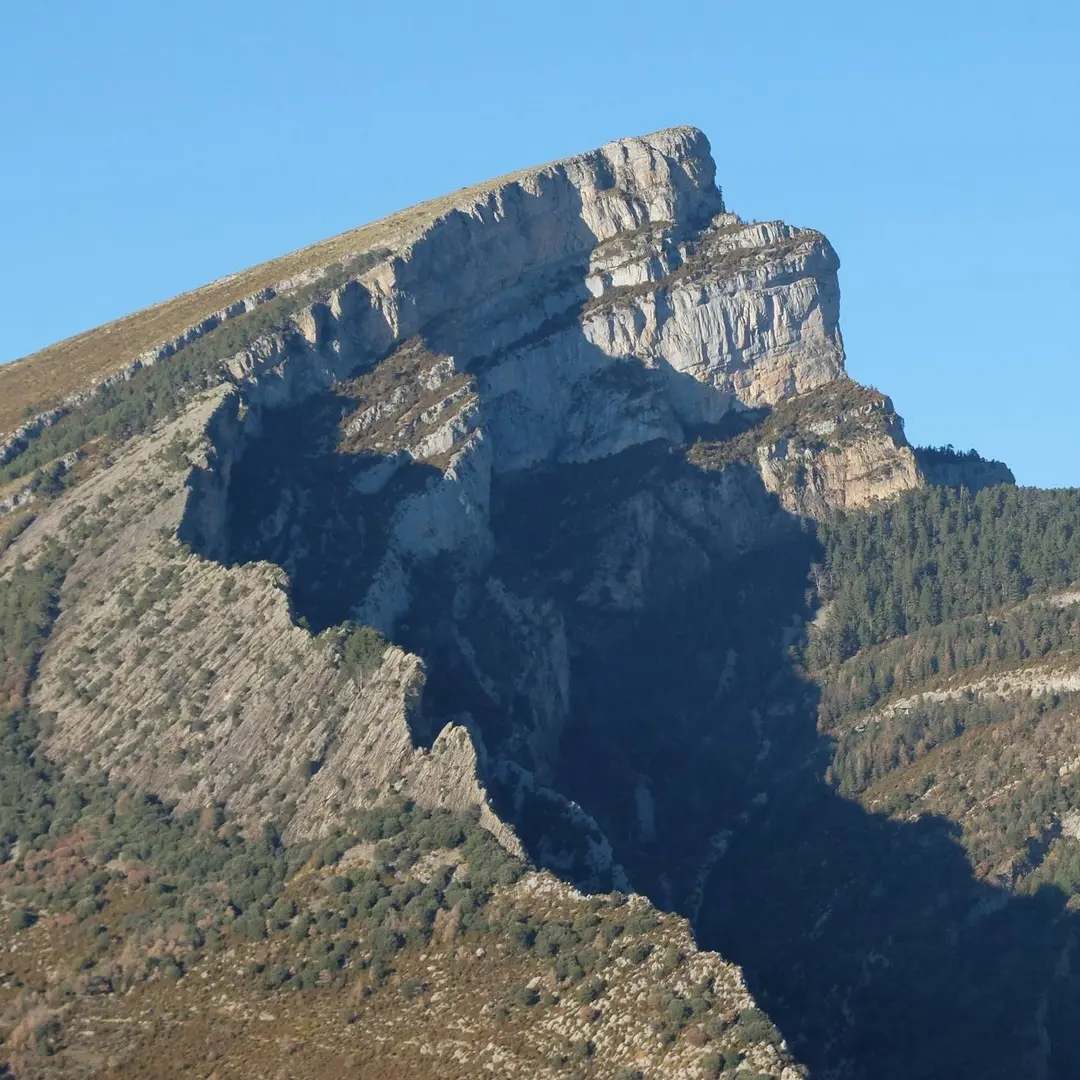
{"x":595,"y":305}
{"x":409,"y":398}
{"x":510,"y":504}
{"x":841,"y":462}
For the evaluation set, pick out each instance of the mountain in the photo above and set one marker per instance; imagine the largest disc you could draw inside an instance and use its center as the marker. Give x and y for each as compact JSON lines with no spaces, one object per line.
{"x":409,"y":644}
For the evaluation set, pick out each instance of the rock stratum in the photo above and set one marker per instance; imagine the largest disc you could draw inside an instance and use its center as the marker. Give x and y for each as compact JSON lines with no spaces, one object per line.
{"x":510,"y":508}
{"x":566,"y":317}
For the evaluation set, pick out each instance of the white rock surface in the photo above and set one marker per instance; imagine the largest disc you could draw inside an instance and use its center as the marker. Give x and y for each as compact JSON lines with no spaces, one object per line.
{"x":599,"y":303}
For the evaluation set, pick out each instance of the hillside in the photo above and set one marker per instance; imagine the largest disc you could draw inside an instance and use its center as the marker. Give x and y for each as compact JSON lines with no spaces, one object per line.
{"x":433,"y":660}
{"x":70,"y":369}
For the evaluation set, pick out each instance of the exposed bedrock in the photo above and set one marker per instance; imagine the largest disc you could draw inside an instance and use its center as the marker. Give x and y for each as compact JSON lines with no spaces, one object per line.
{"x":563,"y":445}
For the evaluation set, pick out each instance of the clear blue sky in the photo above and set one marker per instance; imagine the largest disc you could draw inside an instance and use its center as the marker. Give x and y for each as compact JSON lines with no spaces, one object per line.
{"x":151,"y":147}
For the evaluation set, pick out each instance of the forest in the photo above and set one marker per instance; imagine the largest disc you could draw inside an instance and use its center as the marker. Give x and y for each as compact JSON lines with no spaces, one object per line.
{"x":925,"y":601}
{"x":935,"y":555}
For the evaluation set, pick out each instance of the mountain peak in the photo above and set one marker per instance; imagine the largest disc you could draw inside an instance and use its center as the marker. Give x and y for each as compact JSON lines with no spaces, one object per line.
{"x":61,"y":375}
{"x":378,"y":602}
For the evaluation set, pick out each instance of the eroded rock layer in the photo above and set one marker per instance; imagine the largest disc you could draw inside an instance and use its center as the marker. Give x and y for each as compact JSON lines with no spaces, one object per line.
{"x":555,"y":341}
{"x":503,"y":510}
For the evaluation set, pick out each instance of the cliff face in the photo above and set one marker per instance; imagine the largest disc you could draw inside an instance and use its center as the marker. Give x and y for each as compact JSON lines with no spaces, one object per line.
{"x":841,"y":462}
{"x":719,"y":315}
{"x":596,"y":308}
{"x":596,"y":305}
{"x":510,"y":379}
{"x":557,"y":439}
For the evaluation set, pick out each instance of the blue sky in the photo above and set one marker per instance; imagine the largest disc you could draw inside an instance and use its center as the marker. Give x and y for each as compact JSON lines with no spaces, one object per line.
{"x":150,"y":148}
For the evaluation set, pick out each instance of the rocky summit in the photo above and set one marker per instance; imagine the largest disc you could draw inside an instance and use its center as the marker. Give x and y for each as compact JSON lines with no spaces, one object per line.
{"x":502,"y":640}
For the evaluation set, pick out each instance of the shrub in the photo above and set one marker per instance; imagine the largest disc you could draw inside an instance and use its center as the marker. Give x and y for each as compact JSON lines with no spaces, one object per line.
{"x":385,"y":942}
{"x":582,"y":1049}
{"x":407,"y":859}
{"x":21,"y":919}
{"x":442,"y":830}
{"x":251,"y":925}
{"x":525,"y":995}
{"x":642,"y":922}
{"x":589,"y":991}
{"x":360,"y":650}
{"x":713,"y":1065}
{"x":678,"y":1012}
{"x":171,"y":969}
{"x":274,"y":978}
{"x":672,"y":959}
{"x":554,"y":937}
{"x":379,"y":823}
{"x":609,"y":932}
{"x":86,"y":907}
{"x":754,"y":1027}
{"x":282,"y":912}
{"x":567,"y":969}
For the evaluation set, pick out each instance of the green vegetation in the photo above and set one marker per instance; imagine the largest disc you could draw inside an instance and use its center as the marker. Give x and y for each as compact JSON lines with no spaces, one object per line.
{"x":1008,"y":739}
{"x":29,"y":602}
{"x":21,"y":919}
{"x":939,"y":590}
{"x":127,"y":407}
{"x":14,"y":527}
{"x":359,"y":649}
{"x":946,"y":455}
{"x":973,"y":645}
{"x":938,"y":555}
{"x":203,"y":873}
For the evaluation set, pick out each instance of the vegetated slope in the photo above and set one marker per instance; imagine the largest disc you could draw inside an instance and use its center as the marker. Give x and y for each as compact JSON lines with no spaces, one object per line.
{"x":953,"y":633}
{"x":944,"y":662}
{"x":131,"y":931}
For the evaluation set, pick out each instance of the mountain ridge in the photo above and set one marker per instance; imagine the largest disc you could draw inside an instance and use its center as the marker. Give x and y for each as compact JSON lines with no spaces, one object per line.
{"x":173,"y":322}
{"x":559,"y":530}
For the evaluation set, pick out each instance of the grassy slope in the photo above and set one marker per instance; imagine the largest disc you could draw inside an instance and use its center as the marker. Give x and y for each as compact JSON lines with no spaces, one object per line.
{"x":43,"y":379}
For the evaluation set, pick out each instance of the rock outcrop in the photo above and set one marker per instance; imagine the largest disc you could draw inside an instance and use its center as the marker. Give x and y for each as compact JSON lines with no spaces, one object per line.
{"x":505,"y":505}
{"x":175,"y":675}
{"x":595,"y":305}
{"x":603,"y":309}
{"x":841,"y":462}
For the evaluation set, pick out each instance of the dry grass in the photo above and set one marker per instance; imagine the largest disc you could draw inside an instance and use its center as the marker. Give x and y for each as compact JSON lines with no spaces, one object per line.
{"x":43,"y":379}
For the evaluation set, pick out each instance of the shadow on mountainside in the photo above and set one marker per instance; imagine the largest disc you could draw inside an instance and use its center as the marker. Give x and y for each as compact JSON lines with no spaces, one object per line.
{"x":693,"y":742}
{"x":294,"y":500}
{"x":629,"y":646}
{"x":691,"y":738}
